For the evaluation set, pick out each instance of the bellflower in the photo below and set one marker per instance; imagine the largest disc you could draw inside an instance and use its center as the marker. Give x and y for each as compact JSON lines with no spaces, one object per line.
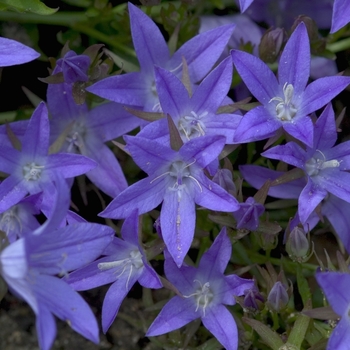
{"x":138,"y":88}
{"x":286,"y":102}
{"x":32,"y":169}
{"x":124,"y":263}
{"x":176,"y":178}
{"x":325,"y":166}
{"x":336,"y":288}
{"x":205,"y":290}
{"x":88,"y":130}
{"x":13,"y":52}
{"x":30,"y":264}
{"x":194,"y":116}
{"x":340,"y":15}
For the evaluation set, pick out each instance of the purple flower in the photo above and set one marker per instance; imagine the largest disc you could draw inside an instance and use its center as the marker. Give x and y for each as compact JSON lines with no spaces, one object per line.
{"x":205,"y":289}
{"x":341,"y":14}
{"x":325,"y":166}
{"x":286,"y":103}
{"x":124,"y":263}
{"x":336,"y":288}
{"x":176,"y":179}
{"x":13,"y":52}
{"x":74,"y":67}
{"x":194,"y":115}
{"x":244,"y":4}
{"x":32,"y":169}
{"x":30,"y":264}
{"x":138,"y":88}
{"x":247,"y":216}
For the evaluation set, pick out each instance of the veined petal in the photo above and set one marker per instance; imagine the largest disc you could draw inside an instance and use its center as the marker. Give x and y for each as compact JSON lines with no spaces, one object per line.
{"x":213,"y":196}
{"x":12,"y":190}
{"x":341,"y":152}
{"x":340,"y":15}
{"x":45,"y":327}
{"x":175,"y":314}
{"x":256,"y":125}
{"x":202,"y":51}
{"x":302,"y":129}
{"x":114,"y":297}
{"x":149,"y":43}
{"x":129,"y":89}
{"x":130,"y":228}
{"x":234,"y":286}
{"x":213,"y":89}
{"x":12,"y":52}
{"x":310,"y":197}
{"x":37,"y":135}
{"x":325,"y":134}
{"x":340,"y":336}
{"x":336,"y":182}
{"x":219,"y":321}
{"x":256,"y":75}
{"x":9,"y":159}
{"x":142,"y":195}
{"x":173,"y":95}
{"x":320,"y":92}
{"x":291,"y":153}
{"x":149,"y":155}
{"x":67,"y":305}
{"x":294,"y":64}
{"x":177,"y":220}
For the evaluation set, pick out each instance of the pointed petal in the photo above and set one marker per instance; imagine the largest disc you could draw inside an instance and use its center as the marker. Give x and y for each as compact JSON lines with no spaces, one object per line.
{"x":13,"y":52}
{"x":129,"y":89}
{"x":67,"y":305}
{"x":340,"y":336}
{"x":302,"y":130}
{"x":320,"y":92}
{"x":45,"y":327}
{"x":114,"y":297}
{"x":203,"y":149}
{"x":69,"y":165}
{"x":213,"y":89}
{"x":218,"y":255}
{"x":130,"y":228}
{"x":173,"y":95}
{"x":36,"y":137}
{"x":108,"y":176}
{"x":336,"y":182}
{"x":291,"y":153}
{"x":143,"y":195}
{"x":149,"y":43}
{"x":325,"y":134}
{"x":149,"y":277}
{"x":340,"y":15}
{"x":294,"y":65}
{"x":175,"y":314}
{"x":235,"y":286}
{"x":202,"y":51}
{"x":256,"y":125}
{"x":150,"y":155}
{"x":177,"y":220}
{"x":222,"y":325}
{"x":213,"y":196}
{"x":310,"y":197}
{"x":256,"y":75}
{"x":10,"y":159}
{"x":340,"y":152}
{"x":12,"y":190}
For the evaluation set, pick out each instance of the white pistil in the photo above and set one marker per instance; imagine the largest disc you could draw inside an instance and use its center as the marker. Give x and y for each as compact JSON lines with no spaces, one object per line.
{"x":32,"y":171}
{"x":203,"y":296}
{"x":285,"y":109}
{"x":76,"y":137}
{"x":314,"y":165}
{"x":191,"y":125}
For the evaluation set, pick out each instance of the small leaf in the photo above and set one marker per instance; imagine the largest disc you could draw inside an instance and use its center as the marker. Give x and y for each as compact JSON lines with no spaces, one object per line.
{"x":149,"y":116}
{"x":53,"y":79}
{"x":175,"y":139}
{"x":15,"y":142}
{"x":303,"y":286}
{"x":34,"y":6}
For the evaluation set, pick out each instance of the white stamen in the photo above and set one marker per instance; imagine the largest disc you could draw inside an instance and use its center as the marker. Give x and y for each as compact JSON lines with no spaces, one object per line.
{"x":285,"y":109}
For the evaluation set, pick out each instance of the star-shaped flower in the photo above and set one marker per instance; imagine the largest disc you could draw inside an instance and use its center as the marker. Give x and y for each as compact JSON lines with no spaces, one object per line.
{"x":286,"y":102}
{"x":124,"y":263}
{"x":205,"y":290}
{"x":176,"y":178}
{"x":325,"y":166}
{"x":138,"y":88}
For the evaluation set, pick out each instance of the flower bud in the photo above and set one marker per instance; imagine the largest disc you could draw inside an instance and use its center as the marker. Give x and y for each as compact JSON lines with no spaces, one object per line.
{"x":278,"y":297}
{"x":253,"y":299}
{"x":298,"y":245}
{"x":223,"y":178}
{"x":248,"y":214}
{"x":271,"y":44}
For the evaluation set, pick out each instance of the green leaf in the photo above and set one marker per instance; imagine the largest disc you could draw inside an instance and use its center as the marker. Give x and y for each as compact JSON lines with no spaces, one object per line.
{"x":34,"y":6}
{"x":303,"y":286}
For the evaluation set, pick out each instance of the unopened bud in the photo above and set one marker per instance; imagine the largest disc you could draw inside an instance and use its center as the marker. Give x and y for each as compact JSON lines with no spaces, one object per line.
{"x":298,"y":245}
{"x":253,"y":300}
{"x":310,"y":24}
{"x":278,"y":297}
{"x":271,"y":44}
{"x":223,"y":177}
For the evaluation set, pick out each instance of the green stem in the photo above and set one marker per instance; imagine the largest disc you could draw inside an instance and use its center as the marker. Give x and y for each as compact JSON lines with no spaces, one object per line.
{"x":339,"y":45}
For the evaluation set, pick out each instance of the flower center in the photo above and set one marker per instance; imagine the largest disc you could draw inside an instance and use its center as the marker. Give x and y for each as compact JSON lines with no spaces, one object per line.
{"x":203,"y":296}
{"x":285,"y":109}
{"x":191,"y":125}
{"x":76,"y":137}
{"x":32,"y":171}
{"x":315,"y":164}
{"x":133,"y":262}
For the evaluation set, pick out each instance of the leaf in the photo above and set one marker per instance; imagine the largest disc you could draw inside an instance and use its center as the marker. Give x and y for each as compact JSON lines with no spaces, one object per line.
{"x":303,"y":286}
{"x":175,"y":139}
{"x":34,"y":6}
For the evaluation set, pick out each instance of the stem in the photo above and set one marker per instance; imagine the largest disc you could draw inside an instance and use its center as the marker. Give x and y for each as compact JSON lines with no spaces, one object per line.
{"x":339,"y":45}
